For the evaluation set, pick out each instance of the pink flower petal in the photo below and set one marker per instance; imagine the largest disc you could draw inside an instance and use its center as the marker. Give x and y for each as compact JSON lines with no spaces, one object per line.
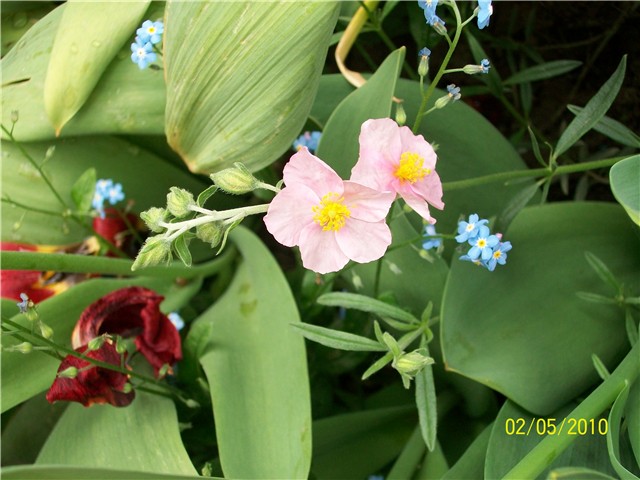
{"x":416,"y":202}
{"x":362,"y":241}
{"x":417,"y":144}
{"x":320,"y":250}
{"x":306,"y":169}
{"x":380,"y":150}
{"x":430,"y":188}
{"x":289,"y":213}
{"x":366,"y":203}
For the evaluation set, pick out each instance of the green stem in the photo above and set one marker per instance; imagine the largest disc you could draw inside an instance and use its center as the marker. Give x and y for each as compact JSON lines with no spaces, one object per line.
{"x":534,"y":172}
{"x":432,"y":86}
{"x":71,"y":263}
{"x":600,"y":399}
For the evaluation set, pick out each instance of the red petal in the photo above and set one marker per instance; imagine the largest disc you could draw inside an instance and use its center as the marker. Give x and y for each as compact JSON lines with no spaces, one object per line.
{"x":15,"y":282}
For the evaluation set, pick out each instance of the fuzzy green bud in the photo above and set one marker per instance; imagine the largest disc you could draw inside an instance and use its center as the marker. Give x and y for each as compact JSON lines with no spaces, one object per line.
{"x":155,"y":250}
{"x":210,"y":233}
{"x":178,"y":202}
{"x":443,"y":101}
{"x":401,"y":115}
{"x":127,"y":387}
{"x":45,"y":330}
{"x":70,"y":372}
{"x":96,"y":343}
{"x":423,"y":66}
{"x":24,"y":347}
{"x":235,"y":180}
{"x":411,"y":363}
{"x":153,"y":217}
{"x":121,"y":346}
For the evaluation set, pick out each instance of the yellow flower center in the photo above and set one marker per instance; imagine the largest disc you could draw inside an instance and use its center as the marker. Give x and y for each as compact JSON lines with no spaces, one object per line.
{"x":481,"y":243}
{"x":410,"y":168}
{"x":497,"y":254}
{"x":151,"y":30}
{"x":331,"y":213}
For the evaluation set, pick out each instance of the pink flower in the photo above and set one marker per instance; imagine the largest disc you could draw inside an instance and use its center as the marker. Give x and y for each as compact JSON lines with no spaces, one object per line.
{"x":332,"y":221}
{"x":392,"y":158}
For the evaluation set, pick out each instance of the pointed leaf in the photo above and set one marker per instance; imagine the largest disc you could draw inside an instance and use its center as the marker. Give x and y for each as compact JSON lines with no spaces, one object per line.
{"x":542,"y":71}
{"x":624,"y":177}
{"x":612,"y":129}
{"x":366,"y":304}
{"x":338,"y":339}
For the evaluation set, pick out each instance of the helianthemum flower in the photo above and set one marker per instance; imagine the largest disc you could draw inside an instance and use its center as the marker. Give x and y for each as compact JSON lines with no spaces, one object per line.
{"x":332,"y":221}
{"x":129,"y":312}
{"x":393,"y":159}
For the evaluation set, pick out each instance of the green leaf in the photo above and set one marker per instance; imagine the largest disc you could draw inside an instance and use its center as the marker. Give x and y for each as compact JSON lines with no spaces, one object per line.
{"x":409,"y":459}
{"x":143,"y":436}
{"x":624,"y":177}
{"x":600,"y":367}
{"x":31,"y":374}
{"x":356,"y":445}
{"x":577,"y":473}
{"x":614,"y":433}
{"x":206,"y":195}
{"x":612,"y":128}
{"x":182,"y":249}
{"x":255,"y":86}
{"x":632,"y":414}
{"x":338,"y":339}
{"x":339,"y":144}
{"x":82,"y":191}
{"x":256,"y":367}
{"x":471,"y":463}
{"x":603,"y":271}
{"x":593,"y":111}
{"x":542,"y":71}
{"x":366,"y":304}
{"x":55,"y":472}
{"x":526,"y":359}
{"x":80,"y":55}
{"x":427,"y":403}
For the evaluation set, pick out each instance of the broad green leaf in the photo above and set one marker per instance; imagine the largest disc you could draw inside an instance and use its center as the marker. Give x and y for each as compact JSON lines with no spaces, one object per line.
{"x":82,"y":191}
{"x":24,"y":376}
{"x":80,"y":55}
{"x":254,"y":87}
{"x":593,"y":111}
{"x":613,"y":436}
{"x":143,"y":436}
{"x":542,"y":71}
{"x":519,"y":343}
{"x":516,"y":432}
{"x":256,"y":366}
{"x":125,"y":100}
{"x":624,"y":177}
{"x":338,"y":339}
{"x":356,"y":445}
{"x":111,"y":157}
{"x":366,"y":304}
{"x":612,"y":129}
{"x":61,"y":472}
{"x":339,"y":144}
{"x":409,"y":459}
{"x":471,"y":463}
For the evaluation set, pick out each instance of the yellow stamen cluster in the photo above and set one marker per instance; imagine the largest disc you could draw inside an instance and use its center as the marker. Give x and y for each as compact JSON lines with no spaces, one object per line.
{"x":331,"y":213}
{"x":410,"y":168}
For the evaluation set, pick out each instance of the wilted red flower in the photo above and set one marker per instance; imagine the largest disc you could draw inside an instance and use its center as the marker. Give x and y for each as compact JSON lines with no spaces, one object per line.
{"x":115,"y":230}
{"x":128,"y":312}
{"x":37,"y":285}
{"x":92,"y":384}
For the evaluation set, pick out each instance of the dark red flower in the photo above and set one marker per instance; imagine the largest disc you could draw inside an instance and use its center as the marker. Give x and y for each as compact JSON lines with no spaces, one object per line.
{"x":115,"y":230}
{"x":37,"y":285}
{"x":129,"y":312}
{"x":92,"y":384}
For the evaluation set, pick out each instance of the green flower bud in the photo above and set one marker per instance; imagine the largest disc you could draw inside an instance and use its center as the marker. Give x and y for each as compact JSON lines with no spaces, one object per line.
{"x":472,"y":69}
{"x":24,"y":347}
{"x":155,"y":250}
{"x":153,"y":217}
{"x":210,"y":233}
{"x":15,"y":115}
{"x":70,"y":372}
{"x":96,"y":343}
{"x":127,"y":387}
{"x":401,"y":115}
{"x":440,"y":29}
{"x":45,"y":330}
{"x":235,"y":180}
{"x":411,"y":363}
{"x":166,"y":368}
{"x":423,"y":66}
{"x":178,"y":202}
{"x":443,"y":101}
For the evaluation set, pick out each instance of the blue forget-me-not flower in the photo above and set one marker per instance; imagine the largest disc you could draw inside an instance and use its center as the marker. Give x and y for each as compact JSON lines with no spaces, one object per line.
{"x":150,"y":32}
{"x":485,"y":9}
{"x":486,"y":250}
{"x":309,"y":140}
{"x":142,"y":54}
{"x":106,"y":191}
{"x":429,"y":231}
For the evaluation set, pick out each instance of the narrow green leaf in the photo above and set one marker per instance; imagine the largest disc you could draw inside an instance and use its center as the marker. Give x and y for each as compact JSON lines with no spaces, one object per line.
{"x":577,"y":473}
{"x":593,"y":111}
{"x":595,"y":298}
{"x":366,"y":304}
{"x":624,"y":177}
{"x":613,"y":435}
{"x":471,"y":463}
{"x":542,"y":71}
{"x":536,"y":147}
{"x":427,"y":403}
{"x":337,"y":339}
{"x":206,"y":195}
{"x":377,"y":365}
{"x":612,"y":129}
{"x":631,"y":327}
{"x":182,"y":249}
{"x":602,"y":271}
{"x":80,"y":55}
{"x":600,"y":367}
{"x":492,"y":79}
{"x":82,"y":191}
{"x":632,"y":414}
{"x":409,"y":459}
{"x":515,"y":205}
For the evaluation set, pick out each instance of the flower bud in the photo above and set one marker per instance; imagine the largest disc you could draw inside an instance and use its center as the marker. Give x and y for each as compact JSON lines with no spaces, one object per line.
{"x":121,"y":346}
{"x":423,"y":67}
{"x":210,"y":233}
{"x":178,"y":202}
{"x":155,"y":250}
{"x":95,"y":343}
{"x":235,"y":180}
{"x":15,"y":115}
{"x":166,"y":368}
{"x":70,"y":372}
{"x":24,"y":347}
{"x":401,"y":115}
{"x":440,"y":29}
{"x":153,"y":217}
{"x":473,"y":69}
{"x":45,"y":330}
{"x":127,"y":387}
{"x":411,"y":363}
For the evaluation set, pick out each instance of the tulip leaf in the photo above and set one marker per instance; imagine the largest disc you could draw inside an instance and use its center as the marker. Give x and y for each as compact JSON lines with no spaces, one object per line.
{"x":614,"y":433}
{"x":542,"y":71}
{"x":94,"y":437}
{"x":31,"y":374}
{"x":338,"y":339}
{"x":248,"y":98}
{"x":624,"y":177}
{"x":256,"y":366}
{"x":593,"y":111}
{"x":80,"y":55}
{"x":471,"y":463}
{"x":518,"y":343}
{"x":63,"y":472}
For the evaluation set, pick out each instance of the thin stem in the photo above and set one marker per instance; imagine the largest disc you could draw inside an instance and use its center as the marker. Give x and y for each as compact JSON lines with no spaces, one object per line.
{"x":432,"y":86}
{"x":214,"y":217}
